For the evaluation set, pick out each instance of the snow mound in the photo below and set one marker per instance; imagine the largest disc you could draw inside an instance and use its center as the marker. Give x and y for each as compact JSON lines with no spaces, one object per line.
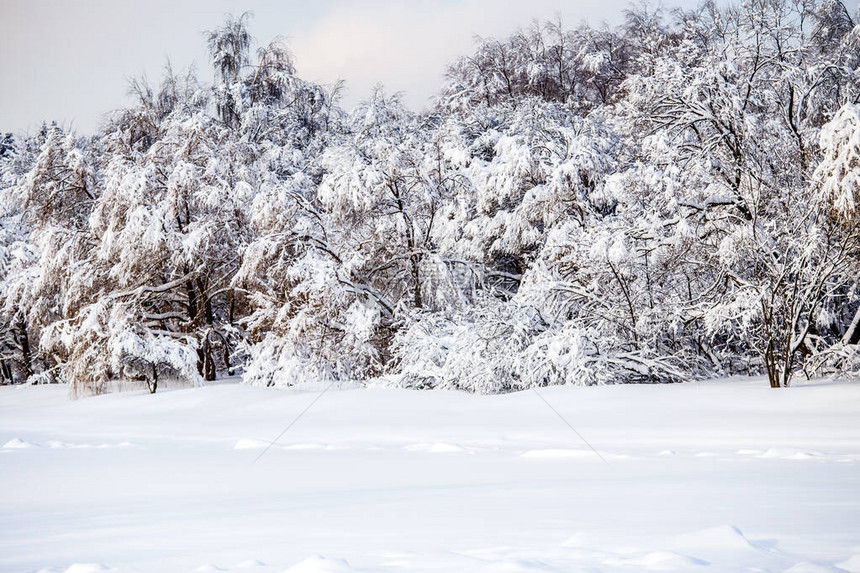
{"x":208,"y":568}
{"x":806,"y":567}
{"x":852,"y":564}
{"x":578,"y":539}
{"x":723,"y":538}
{"x":558,"y":453}
{"x":518,"y":565}
{"x":668,"y":560}
{"x":320,"y":564}
{"x":305,"y":447}
{"x":60,"y":445}
{"x":802,"y":456}
{"x":249,"y":444}
{"x":250,"y":563}
{"x":56,"y":444}
{"x":658,"y":561}
{"x":17,"y":444}
{"x":437,"y":448}
{"x":784,"y":454}
{"x":85,"y":568}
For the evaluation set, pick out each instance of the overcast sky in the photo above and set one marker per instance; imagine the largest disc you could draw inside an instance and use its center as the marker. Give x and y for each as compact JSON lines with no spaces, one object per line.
{"x":69,"y":61}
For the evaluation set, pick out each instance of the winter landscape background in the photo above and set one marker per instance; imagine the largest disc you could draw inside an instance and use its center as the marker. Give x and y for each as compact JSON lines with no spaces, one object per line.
{"x":673,"y":199}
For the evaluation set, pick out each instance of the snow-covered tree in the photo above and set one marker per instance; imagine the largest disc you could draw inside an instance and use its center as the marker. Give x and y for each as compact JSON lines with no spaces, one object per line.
{"x":669,"y":198}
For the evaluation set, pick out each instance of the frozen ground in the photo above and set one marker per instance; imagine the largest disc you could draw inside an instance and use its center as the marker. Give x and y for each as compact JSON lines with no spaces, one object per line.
{"x":723,"y":476}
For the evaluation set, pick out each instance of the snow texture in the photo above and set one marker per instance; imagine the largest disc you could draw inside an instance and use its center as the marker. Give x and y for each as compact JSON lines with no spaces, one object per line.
{"x":721,"y":476}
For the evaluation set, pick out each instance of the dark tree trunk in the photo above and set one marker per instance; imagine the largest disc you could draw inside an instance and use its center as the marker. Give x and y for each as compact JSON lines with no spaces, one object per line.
{"x":416,"y":281}
{"x":153,"y":383}
{"x":208,"y":362}
{"x":226,"y":356}
{"x":22,"y":339}
{"x":206,"y":303}
{"x":201,"y":359}
{"x":6,"y":372}
{"x":192,"y":301}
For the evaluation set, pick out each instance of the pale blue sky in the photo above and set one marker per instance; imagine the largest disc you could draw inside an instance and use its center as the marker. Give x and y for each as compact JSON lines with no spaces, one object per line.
{"x":69,"y":61}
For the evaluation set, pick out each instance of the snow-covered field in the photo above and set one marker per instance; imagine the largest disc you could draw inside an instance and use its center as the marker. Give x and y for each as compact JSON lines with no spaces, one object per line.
{"x":720,"y":476}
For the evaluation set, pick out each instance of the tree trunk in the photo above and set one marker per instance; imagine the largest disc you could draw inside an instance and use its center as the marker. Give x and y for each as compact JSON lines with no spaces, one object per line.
{"x":153,"y":383}
{"x":22,"y":338}
{"x":205,"y":363}
{"x":226,"y":357}
{"x":416,"y":281}
{"x":201,"y":359}
{"x":6,"y":372}
{"x":192,"y":301}
{"x":771,"y":365}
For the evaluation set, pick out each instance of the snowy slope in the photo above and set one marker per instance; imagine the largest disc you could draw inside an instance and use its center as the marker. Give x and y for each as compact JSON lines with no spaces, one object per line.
{"x":720,"y":476}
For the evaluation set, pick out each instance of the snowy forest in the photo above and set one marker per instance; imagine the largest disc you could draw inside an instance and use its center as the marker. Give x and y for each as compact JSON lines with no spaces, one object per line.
{"x":672,"y":198}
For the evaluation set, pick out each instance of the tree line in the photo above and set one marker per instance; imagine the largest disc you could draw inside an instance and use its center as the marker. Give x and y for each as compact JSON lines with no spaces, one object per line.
{"x":667,"y":199}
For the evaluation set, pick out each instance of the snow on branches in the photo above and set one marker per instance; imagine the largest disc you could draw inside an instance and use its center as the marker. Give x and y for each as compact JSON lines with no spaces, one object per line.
{"x":649,"y":202}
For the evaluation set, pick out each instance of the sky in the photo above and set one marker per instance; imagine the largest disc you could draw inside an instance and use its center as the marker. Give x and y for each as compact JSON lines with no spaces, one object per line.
{"x":71,"y":61}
